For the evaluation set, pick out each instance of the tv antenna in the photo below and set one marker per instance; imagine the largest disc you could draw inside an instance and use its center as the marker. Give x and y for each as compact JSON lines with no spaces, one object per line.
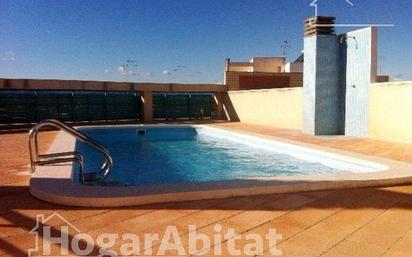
{"x":283,"y":47}
{"x":315,"y":5}
{"x":130,"y":63}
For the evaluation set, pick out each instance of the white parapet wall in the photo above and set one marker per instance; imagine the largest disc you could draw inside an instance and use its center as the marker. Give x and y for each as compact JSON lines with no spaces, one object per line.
{"x":390,"y":111}
{"x":280,"y":107}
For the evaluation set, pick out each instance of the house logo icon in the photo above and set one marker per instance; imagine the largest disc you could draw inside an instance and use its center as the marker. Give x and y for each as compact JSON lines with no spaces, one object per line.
{"x":51,"y":240}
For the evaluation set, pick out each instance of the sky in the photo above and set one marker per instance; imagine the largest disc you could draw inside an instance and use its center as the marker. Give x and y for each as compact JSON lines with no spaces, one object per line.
{"x":182,"y":41}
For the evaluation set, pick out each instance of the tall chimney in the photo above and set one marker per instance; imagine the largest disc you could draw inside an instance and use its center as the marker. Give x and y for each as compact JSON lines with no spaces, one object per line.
{"x":322,"y":108}
{"x":338,"y":70}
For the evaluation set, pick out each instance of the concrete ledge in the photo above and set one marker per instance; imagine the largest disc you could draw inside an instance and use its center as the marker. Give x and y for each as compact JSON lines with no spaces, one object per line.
{"x":54,"y":183}
{"x":51,"y":84}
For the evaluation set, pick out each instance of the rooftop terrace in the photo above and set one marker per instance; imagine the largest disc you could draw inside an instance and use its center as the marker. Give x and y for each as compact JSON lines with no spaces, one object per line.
{"x":362,"y":222}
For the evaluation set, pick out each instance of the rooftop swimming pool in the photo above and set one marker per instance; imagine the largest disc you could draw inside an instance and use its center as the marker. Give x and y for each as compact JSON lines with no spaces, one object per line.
{"x":181,"y":154}
{"x":171,"y":163}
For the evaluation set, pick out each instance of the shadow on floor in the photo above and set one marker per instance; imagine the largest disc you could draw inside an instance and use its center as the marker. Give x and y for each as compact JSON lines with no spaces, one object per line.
{"x":15,"y":198}
{"x":19,"y":197}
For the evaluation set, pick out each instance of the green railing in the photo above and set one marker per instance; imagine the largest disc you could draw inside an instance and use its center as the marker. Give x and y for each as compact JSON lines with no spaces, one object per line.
{"x":183,"y":105}
{"x":31,"y":106}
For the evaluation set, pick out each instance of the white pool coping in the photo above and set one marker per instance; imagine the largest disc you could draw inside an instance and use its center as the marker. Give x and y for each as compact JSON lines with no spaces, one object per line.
{"x":54,"y":183}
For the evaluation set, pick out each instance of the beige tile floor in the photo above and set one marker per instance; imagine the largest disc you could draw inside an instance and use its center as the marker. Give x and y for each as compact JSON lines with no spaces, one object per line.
{"x":362,"y":222}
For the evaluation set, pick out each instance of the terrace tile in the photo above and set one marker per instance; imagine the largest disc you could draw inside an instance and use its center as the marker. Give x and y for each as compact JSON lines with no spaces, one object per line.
{"x":359,"y":222}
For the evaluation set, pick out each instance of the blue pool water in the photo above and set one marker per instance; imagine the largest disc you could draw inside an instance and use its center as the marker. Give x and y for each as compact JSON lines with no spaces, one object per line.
{"x":176,"y":155}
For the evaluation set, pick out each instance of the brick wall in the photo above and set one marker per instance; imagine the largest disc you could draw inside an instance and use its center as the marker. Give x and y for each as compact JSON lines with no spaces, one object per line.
{"x":262,"y":80}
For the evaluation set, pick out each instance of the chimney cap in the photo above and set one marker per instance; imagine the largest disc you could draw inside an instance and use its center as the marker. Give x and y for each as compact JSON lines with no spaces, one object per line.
{"x":312,"y":25}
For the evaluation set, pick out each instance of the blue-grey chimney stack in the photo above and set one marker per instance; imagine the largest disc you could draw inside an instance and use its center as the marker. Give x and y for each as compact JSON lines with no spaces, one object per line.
{"x":337,"y":72}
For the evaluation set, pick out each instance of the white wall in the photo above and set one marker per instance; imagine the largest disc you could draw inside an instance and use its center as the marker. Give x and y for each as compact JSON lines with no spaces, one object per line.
{"x":294,"y":67}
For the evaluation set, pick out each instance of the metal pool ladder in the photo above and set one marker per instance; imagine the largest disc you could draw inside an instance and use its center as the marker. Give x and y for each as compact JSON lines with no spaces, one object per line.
{"x":37,"y":159}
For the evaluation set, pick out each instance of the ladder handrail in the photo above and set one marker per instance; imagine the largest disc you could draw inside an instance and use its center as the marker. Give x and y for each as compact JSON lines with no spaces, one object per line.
{"x":33,"y":142}
{"x":78,"y":135}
